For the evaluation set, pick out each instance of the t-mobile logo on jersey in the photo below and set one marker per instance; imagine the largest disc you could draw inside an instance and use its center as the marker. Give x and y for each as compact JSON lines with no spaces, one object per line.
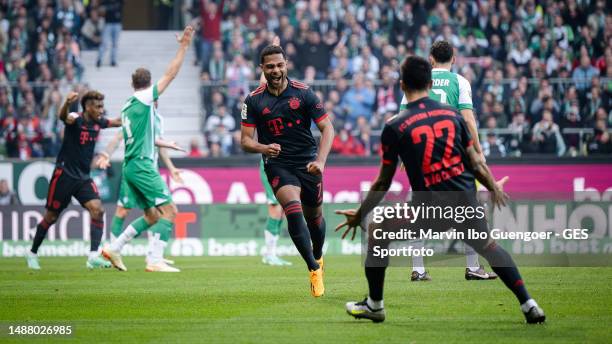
{"x":84,"y":137}
{"x":276,"y":126}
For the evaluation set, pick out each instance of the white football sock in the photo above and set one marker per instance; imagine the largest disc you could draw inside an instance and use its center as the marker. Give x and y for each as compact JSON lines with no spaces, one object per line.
{"x":156,"y":247}
{"x":375,"y":304}
{"x":128,"y":234}
{"x":418,"y":264}
{"x":525,"y":307}
{"x":271,"y":241}
{"x":471,"y":258}
{"x":93,"y":254}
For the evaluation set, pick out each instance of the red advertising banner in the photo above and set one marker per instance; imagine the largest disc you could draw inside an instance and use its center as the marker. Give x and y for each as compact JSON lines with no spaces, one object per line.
{"x":343,"y":184}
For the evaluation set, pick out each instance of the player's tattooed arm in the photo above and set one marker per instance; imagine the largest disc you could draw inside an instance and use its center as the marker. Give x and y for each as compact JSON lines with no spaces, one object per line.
{"x":377,"y":191}
{"x":250,"y":145}
{"x":327,"y":138}
{"x":173,"y":68}
{"x":63,"y":114}
{"x":485,"y":177}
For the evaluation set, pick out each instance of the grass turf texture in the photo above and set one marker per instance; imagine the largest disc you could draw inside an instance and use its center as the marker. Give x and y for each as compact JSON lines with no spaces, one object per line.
{"x":240,"y":300}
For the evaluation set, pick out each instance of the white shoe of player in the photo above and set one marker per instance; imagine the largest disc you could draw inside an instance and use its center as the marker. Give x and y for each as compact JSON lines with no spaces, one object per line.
{"x":161,"y":267}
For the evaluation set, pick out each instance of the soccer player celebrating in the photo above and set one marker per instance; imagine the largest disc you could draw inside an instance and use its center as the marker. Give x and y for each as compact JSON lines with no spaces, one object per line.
{"x":282,"y":111}
{"x":273,"y":223}
{"x":421,"y":137}
{"x":126,"y":201}
{"x":71,"y":174}
{"x":141,"y":176}
{"x":454,"y":90}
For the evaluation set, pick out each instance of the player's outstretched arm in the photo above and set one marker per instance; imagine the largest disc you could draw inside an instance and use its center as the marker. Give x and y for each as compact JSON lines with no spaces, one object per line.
{"x":485,"y":177}
{"x":377,"y":191}
{"x":114,"y":122}
{"x":103,"y":159}
{"x":169,"y":144}
{"x":470,"y":120}
{"x":250,"y":145}
{"x":173,"y":68}
{"x":63,"y":114}
{"x":175,"y":173}
{"x":327,"y":138}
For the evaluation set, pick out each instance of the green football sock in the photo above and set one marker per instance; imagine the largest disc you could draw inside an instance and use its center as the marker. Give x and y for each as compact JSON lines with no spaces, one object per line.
{"x":274,"y":225}
{"x":164,"y":228}
{"x":117,"y":225}
{"x":141,"y":225}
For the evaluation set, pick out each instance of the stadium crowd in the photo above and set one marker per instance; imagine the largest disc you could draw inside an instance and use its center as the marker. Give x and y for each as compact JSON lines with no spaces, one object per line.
{"x":40,"y":62}
{"x":536,"y":68}
{"x":541,"y":72}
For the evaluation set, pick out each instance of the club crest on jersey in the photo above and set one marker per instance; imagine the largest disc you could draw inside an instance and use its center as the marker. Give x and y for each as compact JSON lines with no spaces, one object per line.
{"x":266,"y":111}
{"x":294,"y":103}
{"x":275,"y":181}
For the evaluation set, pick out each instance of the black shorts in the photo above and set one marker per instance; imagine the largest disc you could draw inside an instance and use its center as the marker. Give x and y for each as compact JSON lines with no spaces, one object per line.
{"x":63,"y":187}
{"x":311,"y":186}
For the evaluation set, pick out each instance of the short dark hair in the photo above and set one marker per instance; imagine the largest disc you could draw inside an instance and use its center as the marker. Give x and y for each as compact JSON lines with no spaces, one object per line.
{"x":441,"y":51}
{"x":141,"y":78}
{"x":271,"y":50}
{"x":416,"y":73}
{"x":91,"y":95}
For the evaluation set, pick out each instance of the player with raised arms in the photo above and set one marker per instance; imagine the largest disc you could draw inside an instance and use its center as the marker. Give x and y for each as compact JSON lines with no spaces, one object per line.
{"x":126,"y":202}
{"x":431,"y":138}
{"x":454,"y":90}
{"x":71,"y":175}
{"x":141,"y":176}
{"x":281,"y":111}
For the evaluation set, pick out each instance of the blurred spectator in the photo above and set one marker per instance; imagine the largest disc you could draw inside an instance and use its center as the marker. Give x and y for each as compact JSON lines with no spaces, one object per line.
{"x":601,"y":143}
{"x":210,"y":28}
{"x":92,"y":30}
{"x":584,"y":73}
{"x":572,"y":120}
{"x":358,"y":101}
{"x":520,"y":134}
{"x":217,"y":66}
{"x":547,"y":135}
{"x":219,"y":127}
{"x":7,"y":197}
{"x":238,"y":75}
{"x":346,"y":145}
{"x":194,"y":149}
{"x":113,"y":10}
{"x":492,"y":146}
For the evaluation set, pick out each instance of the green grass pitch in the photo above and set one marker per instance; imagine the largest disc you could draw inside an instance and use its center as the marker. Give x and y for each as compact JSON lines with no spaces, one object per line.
{"x":239,"y":300}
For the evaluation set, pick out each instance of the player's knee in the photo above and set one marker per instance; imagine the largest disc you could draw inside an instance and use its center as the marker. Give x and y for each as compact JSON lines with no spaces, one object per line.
{"x":96,"y":213}
{"x":50,"y":218}
{"x":169,"y":212}
{"x":121,"y":212}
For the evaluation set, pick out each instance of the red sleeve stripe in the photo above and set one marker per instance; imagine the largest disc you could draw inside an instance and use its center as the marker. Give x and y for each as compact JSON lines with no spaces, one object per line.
{"x":321,"y":118}
{"x":470,"y":143}
{"x":250,"y":125}
{"x":298,"y":84}
{"x":258,"y":90}
{"x":387,"y":162}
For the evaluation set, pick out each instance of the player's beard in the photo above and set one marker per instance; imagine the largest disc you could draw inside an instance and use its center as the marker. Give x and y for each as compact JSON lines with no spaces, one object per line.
{"x":276,"y":82}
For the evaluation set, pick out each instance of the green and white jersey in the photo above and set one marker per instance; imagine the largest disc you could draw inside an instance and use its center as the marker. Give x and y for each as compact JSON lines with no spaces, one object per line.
{"x":159,"y":132}
{"x":138,"y":116}
{"x":448,"y":88}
